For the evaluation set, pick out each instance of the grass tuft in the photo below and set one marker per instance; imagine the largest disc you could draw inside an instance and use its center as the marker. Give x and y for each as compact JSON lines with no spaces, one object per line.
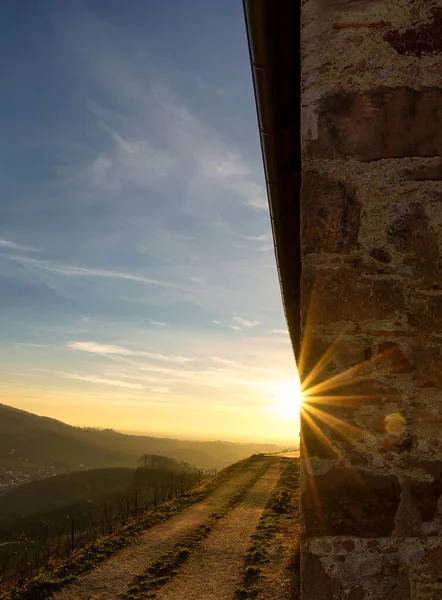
{"x":282,"y":505}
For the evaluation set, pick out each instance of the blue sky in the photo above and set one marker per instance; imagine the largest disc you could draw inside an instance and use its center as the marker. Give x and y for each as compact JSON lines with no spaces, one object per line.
{"x":138,"y":281}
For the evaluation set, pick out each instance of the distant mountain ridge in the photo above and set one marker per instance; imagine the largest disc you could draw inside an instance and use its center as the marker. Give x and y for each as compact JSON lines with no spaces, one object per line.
{"x":30,"y":442}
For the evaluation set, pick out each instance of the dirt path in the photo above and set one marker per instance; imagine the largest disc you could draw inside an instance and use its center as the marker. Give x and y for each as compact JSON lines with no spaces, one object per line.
{"x":113,"y":577}
{"x":215,"y":569}
{"x":281,"y":577}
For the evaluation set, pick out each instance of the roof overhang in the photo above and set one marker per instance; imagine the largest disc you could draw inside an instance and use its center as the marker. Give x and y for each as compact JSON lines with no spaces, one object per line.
{"x":273,"y":31}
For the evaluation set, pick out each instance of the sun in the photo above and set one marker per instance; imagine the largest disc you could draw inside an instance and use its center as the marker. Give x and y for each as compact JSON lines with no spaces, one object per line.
{"x":287,"y":399}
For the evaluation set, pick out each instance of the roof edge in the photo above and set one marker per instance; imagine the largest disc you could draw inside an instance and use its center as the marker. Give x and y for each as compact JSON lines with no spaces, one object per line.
{"x":273,"y":33}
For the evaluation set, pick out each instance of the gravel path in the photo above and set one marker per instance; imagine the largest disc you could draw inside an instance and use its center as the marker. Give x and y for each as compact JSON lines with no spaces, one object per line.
{"x":113,"y":577}
{"x":215,"y":569}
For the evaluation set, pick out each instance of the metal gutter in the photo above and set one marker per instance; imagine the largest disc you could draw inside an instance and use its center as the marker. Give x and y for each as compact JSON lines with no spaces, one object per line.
{"x":273,"y":32}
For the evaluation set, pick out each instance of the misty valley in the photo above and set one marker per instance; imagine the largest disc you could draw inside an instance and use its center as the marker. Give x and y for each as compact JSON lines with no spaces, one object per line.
{"x":64,"y":487}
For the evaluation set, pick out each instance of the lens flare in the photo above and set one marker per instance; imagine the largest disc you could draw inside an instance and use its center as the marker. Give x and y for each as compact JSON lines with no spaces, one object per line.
{"x":396,"y":424}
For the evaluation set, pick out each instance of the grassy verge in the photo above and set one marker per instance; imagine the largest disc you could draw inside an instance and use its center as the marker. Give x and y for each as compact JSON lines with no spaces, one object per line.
{"x":166,"y":567}
{"x":282,"y":506}
{"x":56,"y":575}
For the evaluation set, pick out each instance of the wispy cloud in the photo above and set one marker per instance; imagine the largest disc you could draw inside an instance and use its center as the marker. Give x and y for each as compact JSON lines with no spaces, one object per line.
{"x":19,"y":247}
{"x":160,"y":324}
{"x":129,"y":162}
{"x":223,"y":361}
{"x":265,"y":241}
{"x":240,"y":324}
{"x":216,"y":158}
{"x":101,"y":381}
{"x":264,"y":237}
{"x":228,"y":376}
{"x":278,"y":331}
{"x":106,"y":349}
{"x":74,"y":271}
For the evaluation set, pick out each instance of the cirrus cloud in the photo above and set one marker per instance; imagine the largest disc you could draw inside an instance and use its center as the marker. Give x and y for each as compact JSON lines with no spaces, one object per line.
{"x":74,"y":271}
{"x":240,"y":324}
{"x":14,"y":246}
{"x":110,"y":349}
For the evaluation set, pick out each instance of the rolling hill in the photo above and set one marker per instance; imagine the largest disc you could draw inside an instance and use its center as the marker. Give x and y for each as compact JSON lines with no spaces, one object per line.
{"x":56,"y":492}
{"x":49,"y":504}
{"x":31,"y":443}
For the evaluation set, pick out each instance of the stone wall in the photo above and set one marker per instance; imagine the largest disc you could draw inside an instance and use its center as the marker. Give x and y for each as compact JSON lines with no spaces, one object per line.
{"x":371,"y":291}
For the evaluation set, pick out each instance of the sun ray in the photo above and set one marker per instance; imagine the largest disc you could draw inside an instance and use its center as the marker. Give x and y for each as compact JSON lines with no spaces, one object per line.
{"x":340,"y":400}
{"x":311,"y":484}
{"x":320,"y":365}
{"x":305,"y":350}
{"x":332,"y":421}
{"x":343,"y":378}
{"x":317,"y":431}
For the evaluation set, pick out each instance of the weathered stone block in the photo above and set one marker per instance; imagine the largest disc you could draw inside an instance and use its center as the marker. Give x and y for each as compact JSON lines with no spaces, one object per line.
{"x":415,"y":237}
{"x":391,"y":358}
{"x":315,"y":582}
{"x":341,"y":294}
{"x":403,"y":591}
{"x":314,"y":349}
{"x":322,"y":360}
{"x":427,"y":576}
{"x":358,"y":566}
{"x":425,"y":172}
{"x":352,"y":351}
{"x":369,"y":390}
{"x":344,"y":398}
{"x":424,"y":311}
{"x":424,"y":496}
{"x":346,"y":502}
{"x":365,"y":265}
{"x":380,"y":123}
{"x":314,"y":442}
{"x":381,"y":255}
{"x":430,"y":467}
{"x":427,"y":359}
{"x":330,"y":215}
{"x":356,"y":593}
{"x":374,"y":420}
{"x":421,"y":39}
